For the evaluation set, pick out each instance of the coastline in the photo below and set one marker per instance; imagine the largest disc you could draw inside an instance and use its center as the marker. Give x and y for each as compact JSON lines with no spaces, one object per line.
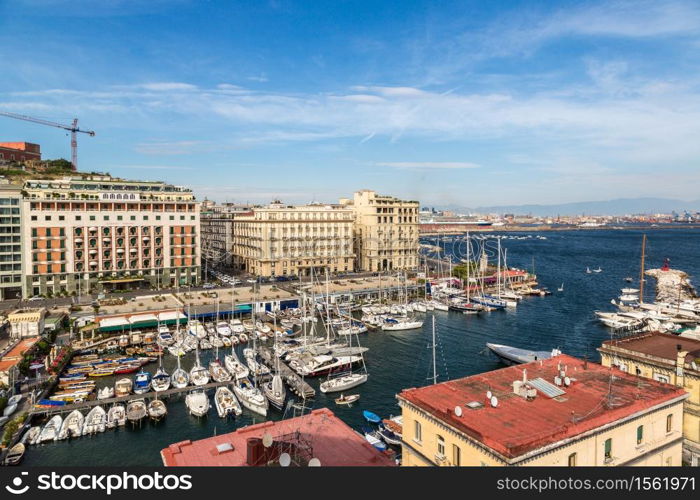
{"x":547,"y":227}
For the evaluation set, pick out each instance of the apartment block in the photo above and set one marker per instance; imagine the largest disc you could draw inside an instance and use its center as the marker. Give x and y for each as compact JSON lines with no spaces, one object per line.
{"x":386,"y":231}
{"x":98,"y":233}
{"x":282,"y":240}
{"x":217,"y":231}
{"x":10,"y":241}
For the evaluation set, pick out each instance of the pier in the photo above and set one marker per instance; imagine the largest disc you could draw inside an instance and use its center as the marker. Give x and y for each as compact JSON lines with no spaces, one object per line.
{"x":124,"y":399}
{"x":296,"y":383}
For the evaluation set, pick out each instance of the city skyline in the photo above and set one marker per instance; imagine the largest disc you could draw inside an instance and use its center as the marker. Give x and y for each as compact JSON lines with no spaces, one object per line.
{"x":469,"y":104}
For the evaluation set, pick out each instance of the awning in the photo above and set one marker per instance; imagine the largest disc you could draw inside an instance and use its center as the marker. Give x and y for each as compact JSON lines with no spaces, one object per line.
{"x":122,"y":280}
{"x":111,"y":322}
{"x":171,"y":316}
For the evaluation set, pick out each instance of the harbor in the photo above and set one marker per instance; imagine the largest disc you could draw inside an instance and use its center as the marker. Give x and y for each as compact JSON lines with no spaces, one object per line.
{"x":400,"y":359}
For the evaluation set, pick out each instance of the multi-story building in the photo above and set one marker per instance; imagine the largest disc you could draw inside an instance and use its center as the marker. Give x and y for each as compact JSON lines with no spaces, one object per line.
{"x":19,"y":151}
{"x":561,"y":411}
{"x":386,"y":231}
{"x":10,"y":241}
{"x":670,"y":359}
{"x":98,"y":233}
{"x":217,"y":232}
{"x":281,"y":240}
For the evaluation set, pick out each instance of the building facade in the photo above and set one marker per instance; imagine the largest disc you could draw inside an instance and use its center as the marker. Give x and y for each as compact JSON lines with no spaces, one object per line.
{"x":669,"y":359}
{"x":19,"y":151}
{"x":557,"y":412}
{"x":281,"y":240}
{"x":217,"y":232}
{"x":386,"y":231}
{"x":10,"y":241}
{"x":97,"y":233}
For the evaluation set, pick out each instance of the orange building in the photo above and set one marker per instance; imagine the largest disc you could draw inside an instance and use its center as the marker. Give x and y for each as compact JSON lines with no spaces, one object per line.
{"x":19,"y":151}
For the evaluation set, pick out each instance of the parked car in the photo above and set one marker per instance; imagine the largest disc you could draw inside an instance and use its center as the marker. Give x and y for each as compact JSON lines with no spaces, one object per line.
{"x":207,"y":286}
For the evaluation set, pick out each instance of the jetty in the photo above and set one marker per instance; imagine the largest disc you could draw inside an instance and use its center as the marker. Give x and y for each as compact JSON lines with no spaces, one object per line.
{"x":52,"y":410}
{"x":295,"y":382}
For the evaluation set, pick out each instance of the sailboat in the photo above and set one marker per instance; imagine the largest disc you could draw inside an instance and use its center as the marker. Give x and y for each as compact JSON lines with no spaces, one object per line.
{"x":217,"y":371}
{"x":157,"y":409}
{"x":234,"y":365}
{"x":588,"y":270}
{"x":274,"y":389}
{"x":198,"y":374}
{"x":347,"y":380}
{"x":561,"y":288}
{"x":599,"y":270}
{"x":250,"y":396}
{"x":161,"y":380}
{"x":179,"y":378}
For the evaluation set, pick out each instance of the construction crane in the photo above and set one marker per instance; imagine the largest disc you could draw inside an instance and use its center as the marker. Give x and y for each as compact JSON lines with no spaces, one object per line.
{"x":73,"y":129}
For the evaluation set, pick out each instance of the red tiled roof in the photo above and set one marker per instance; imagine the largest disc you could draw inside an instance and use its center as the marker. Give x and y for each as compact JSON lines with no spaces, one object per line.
{"x":518,"y":426}
{"x":662,"y":345}
{"x":14,"y":356}
{"x":334,"y":443}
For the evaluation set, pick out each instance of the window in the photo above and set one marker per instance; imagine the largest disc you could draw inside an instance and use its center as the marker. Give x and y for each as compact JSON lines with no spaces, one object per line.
{"x":119,"y":217}
{"x":669,"y":423}
{"x":440,"y":445}
{"x":608,"y":448}
{"x":78,"y":217}
{"x":640,"y":434}
{"x":61,"y":217}
{"x":92,"y":217}
{"x":662,"y":378}
{"x":572,"y":460}
{"x":33,"y":217}
{"x":417,"y":432}
{"x":456,"y":455}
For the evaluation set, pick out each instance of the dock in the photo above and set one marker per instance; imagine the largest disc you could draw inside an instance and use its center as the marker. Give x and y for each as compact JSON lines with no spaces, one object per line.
{"x":296,"y":383}
{"x":123,"y":399}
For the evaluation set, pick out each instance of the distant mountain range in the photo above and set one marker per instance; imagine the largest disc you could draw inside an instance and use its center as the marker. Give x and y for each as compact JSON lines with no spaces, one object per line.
{"x":621,"y":206}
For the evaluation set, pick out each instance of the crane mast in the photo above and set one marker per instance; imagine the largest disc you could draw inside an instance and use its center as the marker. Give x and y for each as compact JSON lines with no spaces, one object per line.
{"x":72,"y":128}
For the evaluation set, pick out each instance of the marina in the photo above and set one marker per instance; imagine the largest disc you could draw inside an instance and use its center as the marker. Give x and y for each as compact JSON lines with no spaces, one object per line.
{"x":399,"y":359}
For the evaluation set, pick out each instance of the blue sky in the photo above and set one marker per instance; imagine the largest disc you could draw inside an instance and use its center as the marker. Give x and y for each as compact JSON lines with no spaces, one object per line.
{"x":464,"y":103}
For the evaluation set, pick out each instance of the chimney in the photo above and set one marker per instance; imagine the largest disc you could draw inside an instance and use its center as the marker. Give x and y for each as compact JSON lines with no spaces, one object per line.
{"x":255,"y":451}
{"x":585,"y":362}
{"x":680,"y":365}
{"x":524,"y":375}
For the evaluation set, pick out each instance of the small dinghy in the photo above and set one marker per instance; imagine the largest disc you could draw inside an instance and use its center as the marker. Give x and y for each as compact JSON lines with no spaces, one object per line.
{"x":371,"y":417}
{"x":72,"y":425}
{"x":105,"y":393}
{"x":388,"y":436}
{"x":14,"y":456}
{"x":95,"y":421}
{"x":157,"y":409}
{"x":116,"y":416}
{"x":374,"y":439}
{"x":347,"y":400}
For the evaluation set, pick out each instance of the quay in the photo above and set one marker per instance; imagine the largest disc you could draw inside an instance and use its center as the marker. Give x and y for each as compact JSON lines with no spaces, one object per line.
{"x":123,"y":399}
{"x":296,"y":383}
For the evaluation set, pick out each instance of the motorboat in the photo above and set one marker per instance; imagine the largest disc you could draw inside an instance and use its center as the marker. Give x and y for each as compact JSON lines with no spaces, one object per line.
{"x":204,"y":344}
{"x":95,"y":421}
{"x":157,"y":409}
{"x":223,"y":329}
{"x":50,"y":430}
{"x":255,"y":367}
{"x":116,"y":416}
{"x":226,"y":402}
{"x":72,"y":426}
{"x":343,"y":382}
{"x":250,"y":396}
{"x":32,"y":435}
{"x":373,"y":438}
{"x":388,"y":436}
{"x":197,"y":329}
{"x":197,"y":403}
{"x":136,"y":410}
{"x":371,"y":417}
{"x":237,"y":327}
{"x":216,"y":341}
{"x":142,"y":382}
{"x":165,"y":338}
{"x":392,"y":324}
{"x":123,"y":387}
{"x":515,"y":355}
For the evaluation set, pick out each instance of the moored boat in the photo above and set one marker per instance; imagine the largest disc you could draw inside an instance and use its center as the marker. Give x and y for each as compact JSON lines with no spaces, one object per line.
{"x":515,"y":355}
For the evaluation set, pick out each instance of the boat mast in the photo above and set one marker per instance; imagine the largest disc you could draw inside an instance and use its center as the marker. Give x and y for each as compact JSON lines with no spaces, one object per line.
{"x":641,"y":273}
{"x":434,"y":363}
{"x":498,"y":270}
{"x":328,"y":311}
{"x":469,"y":264}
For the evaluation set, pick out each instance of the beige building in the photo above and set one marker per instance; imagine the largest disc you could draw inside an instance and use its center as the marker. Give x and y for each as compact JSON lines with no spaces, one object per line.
{"x":26,"y":322}
{"x":98,"y":233}
{"x":670,"y":359}
{"x":281,"y":240}
{"x":386,"y":231}
{"x":557,"y":412}
{"x":10,"y":240}
{"x":217,"y":232}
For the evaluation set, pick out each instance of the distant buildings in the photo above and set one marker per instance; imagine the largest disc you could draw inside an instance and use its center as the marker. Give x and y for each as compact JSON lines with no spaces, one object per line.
{"x":669,"y":359}
{"x":19,"y":151}
{"x":562,"y":411}
{"x":217,"y":231}
{"x":317,"y":438}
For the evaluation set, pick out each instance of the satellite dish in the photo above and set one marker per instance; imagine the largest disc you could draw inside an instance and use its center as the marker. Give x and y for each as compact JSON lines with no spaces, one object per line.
{"x":567,"y":381}
{"x":458,"y":411}
{"x":285,"y":460}
{"x":267,"y":440}
{"x":488,"y":394}
{"x":314,"y":462}
{"x":494,"y":401}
